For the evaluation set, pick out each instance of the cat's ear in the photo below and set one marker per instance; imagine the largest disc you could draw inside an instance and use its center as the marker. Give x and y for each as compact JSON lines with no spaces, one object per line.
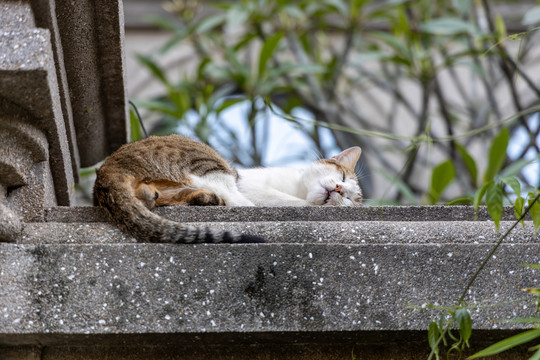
{"x":349,"y":157}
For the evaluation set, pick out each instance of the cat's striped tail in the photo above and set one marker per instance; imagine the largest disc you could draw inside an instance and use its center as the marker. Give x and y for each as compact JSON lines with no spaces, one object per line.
{"x":132,"y":216}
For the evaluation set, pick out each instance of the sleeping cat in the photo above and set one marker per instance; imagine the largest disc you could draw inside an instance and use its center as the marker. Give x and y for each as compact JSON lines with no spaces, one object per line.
{"x":325,"y":182}
{"x":175,"y":170}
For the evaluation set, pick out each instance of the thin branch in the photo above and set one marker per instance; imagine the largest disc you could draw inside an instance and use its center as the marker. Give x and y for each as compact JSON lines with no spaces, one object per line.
{"x":342,"y":60}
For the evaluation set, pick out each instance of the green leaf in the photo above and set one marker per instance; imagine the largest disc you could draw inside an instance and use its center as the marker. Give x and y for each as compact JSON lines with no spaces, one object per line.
{"x":532,"y":16}
{"x":463,"y":318}
{"x":497,"y":154}
{"x":508,"y":343}
{"x":433,"y":337}
{"x":534,"y":210}
{"x":441,"y":177}
{"x":536,"y":355}
{"x":229,"y":102}
{"x":532,"y":266}
{"x":209,"y":23}
{"x":295,"y":70}
{"x":135,"y":133}
{"x":494,"y":202}
{"x":479,"y":195}
{"x":236,"y":17}
{"x":395,"y":43}
{"x":172,"y":42}
{"x":513,"y":183}
{"x":448,"y":26}
{"x":163,"y":23}
{"x":161,"y":106}
{"x":267,"y":50}
{"x":339,"y":5}
{"x":518,"y":208}
{"x":462,"y":6}
{"x":516,"y":167}
{"x":401,"y":186}
{"x":500,"y":27}
{"x":469,"y":163}
{"x":153,"y":67}
{"x":465,"y":200}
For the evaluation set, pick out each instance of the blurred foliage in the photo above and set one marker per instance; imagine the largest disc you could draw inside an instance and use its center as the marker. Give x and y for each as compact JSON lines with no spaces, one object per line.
{"x":384,"y":75}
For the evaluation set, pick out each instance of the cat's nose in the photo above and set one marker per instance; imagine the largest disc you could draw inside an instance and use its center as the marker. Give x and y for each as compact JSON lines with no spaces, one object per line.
{"x":339,"y":189}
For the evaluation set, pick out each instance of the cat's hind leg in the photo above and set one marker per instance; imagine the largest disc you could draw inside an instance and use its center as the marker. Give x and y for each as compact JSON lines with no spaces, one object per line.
{"x":168,"y":193}
{"x":188,"y":196}
{"x":224,"y":186}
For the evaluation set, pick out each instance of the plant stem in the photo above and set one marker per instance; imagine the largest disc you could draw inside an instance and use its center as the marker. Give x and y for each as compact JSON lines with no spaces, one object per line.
{"x":482,"y":266}
{"x":488,"y":257}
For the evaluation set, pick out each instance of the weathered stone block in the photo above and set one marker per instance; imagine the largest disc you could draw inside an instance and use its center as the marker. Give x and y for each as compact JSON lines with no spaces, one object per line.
{"x":315,"y":282}
{"x":91,"y":33}
{"x":29,"y":94}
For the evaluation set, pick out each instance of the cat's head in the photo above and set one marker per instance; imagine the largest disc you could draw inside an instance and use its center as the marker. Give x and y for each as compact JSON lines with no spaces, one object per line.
{"x":333,"y":181}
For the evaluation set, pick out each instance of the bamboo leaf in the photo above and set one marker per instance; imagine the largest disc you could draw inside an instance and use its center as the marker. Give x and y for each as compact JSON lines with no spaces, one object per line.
{"x":210,"y":23}
{"x":479,"y":195}
{"x":465,"y":200}
{"x":339,"y":5}
{"x":229,"y":102}
{"x":448,"y":26}
{"x":267,"y":50}
{"x":500,"y":27}
{"x":513,"y":183}
{"x":135,"y":133}
{"x":395,"y":43}
{"x":516,"y":167}
{"x":161,"y":106}
{"x":469,"y":163}
{"x":462,"y":6}
{"x":433,"y":337}
{"x":441,"y":177}
{"x":532,"y":16}
{"x":153,"y":67}
{"x":535,"y":214}
{"x":508,"y":343}
{"x":172,"y":42}
{"x":536,"y":355}
{"x":497,"y":154}
{"x":518,"y":208}
{"x":494,"y":202}
{"x":163,"y":23}
{"x":463,"y":318}
{"x":401,"y":186}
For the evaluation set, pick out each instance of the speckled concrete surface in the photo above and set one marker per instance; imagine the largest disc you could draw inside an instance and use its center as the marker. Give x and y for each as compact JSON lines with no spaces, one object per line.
{"x":72,"y":282}
{"x":305,"y":232}
{"x":133,"y":288}
{"x":256,"y":214}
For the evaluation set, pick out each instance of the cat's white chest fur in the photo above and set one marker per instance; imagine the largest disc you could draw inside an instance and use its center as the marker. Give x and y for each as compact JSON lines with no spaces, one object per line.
{"x":273,"y":186}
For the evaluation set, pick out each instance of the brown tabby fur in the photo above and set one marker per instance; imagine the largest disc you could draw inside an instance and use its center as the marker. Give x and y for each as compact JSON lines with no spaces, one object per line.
{"x":155,"y":172}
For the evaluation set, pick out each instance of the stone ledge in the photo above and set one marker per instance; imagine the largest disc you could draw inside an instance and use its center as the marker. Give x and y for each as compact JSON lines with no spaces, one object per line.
{"x":70,"y":284}
{"x":302,"y":232}
{"x":88,"y":214}
{"x":52,"y":290}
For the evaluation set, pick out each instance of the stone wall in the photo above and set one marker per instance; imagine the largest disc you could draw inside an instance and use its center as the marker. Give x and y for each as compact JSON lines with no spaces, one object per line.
{"x":328,"y":280}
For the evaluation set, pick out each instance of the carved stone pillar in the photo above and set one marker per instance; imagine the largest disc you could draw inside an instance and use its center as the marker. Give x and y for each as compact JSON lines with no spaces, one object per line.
{"x":62,"y":99}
